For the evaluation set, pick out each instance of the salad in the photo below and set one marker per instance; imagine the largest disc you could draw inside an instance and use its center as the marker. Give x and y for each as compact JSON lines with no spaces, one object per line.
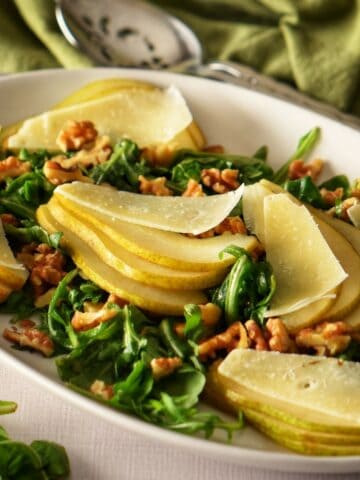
{"x":149,"y":352}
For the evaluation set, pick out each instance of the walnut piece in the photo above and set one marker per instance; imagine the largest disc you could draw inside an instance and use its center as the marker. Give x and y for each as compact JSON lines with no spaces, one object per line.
{"x":327,"y":338}
{"x":279,"y":340}
{"x":231,"y":225}
{"x":159,"y":155}
{"x":30,"y":337}
{"x":76,"y":135}
{"x":154,"y":187}
{"x":86,"y":158}
{"x":193,"y":189}
{"x":46,"y":266}
{"x":9,"y":219}
{"x":210,"y":314}
{"x":256,"y":336}
{"x":214,"y":149}
{"x":58,"y":175}
{"x":299,"y":169}
{"x":221,"y":181}
{"x":234,"y":337}
{"x":330,"y":196}
{"x":164,"y":366}
{"x":101,"y":389}
{"x":12,"y":167}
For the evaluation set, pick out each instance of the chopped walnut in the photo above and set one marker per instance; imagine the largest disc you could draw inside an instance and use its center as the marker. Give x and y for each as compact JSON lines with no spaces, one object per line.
{"x":46,"y":266}
{"x":96,"y":313}
{"x":221,"y":181}
{"x":326,"y":339}
{"x":86,"y":158}
{"x":231,"y":225}
{"x":346,"y":204}
{"x":214,"y":149}
{"x":76,"y":135}
{"x":86,"y":320}
{"x":30,"y":337}
{"x":154,"y":187}
{"x":193,"y":189}
{"x":12,"y":167}
{"x":299,"y":169}
{"x":9,"y":219}
{"x":279,"y":340}
{"x":164,"y":366}
{"x":330,"y":196}
{"x":101,"y":389}
{"x":234,"y":337}
{"x":159,"y":155}
{"x":256,"y":336}
{"x":58,"y":175}
{"x":210,"y":314}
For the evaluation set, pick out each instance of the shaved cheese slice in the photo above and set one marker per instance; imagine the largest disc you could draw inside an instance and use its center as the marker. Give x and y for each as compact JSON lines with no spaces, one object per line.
{"x":12,"y":273}
{"x":305,"y":267}
{"x":253,"y":209}
{"x":174,"y":214}
{"x":147,"y":117}
{"x":354,"y":214}
{"x":296,"y":382}
{"x":7,"y":258}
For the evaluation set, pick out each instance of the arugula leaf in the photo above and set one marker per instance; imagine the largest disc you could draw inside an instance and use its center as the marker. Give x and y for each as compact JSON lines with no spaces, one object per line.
{"x":54,"y":460}
{"x":304,"y":147}
{"x":247,"y":290}
{"x":338,"y":181}
{"x":188,"y":165}
{"x":37,"y":159}
{"x":305,"y":190}
{"x":19,"y":303}
{"x":31,"y":232}
{"x":123,"y":168}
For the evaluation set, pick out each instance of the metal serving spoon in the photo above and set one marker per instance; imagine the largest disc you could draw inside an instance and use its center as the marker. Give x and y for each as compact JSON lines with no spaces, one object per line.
{"x":135,"y":33}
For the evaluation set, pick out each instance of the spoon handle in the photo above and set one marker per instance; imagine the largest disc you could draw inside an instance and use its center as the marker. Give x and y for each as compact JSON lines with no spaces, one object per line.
{"x":247,"y":77}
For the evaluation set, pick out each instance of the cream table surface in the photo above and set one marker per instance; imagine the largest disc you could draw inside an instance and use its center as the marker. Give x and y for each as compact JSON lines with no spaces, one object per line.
{"x":100,"y":451}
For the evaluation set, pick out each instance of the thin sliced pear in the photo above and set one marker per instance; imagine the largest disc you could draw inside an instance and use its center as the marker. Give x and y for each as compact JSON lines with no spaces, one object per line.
{"x":173,"y":214}
{"x":164,"y":248}
{"x":127,"y":263}
{"x":353,"y":319}
{"x":148,"y":117}
{"x":306,"y":444}
{"x":12,"y":273}
{"x":349,"y":295}
{"x":305,"y":267}
{"x":157,"y":300}
{"x":315,"y":389}
{"x":351,"y":233}
{"x":228,"y":395}
{"x":277,"y":428}
{"x":309,"y":315}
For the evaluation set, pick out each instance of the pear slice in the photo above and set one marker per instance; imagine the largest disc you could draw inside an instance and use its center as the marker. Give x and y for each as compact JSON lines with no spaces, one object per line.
{"x":157,"y":300}
{"x":303,"y":441}
{"x":276,"y":427}
{"x":351,"y":233}
{"x":304,"y":265}
{"x":164,"y":248}
{"x":349,"y":295}
{"x":127,"y":263}
{"x":173,"y":214}
{"x":318,"y":390}
{"x":229,"y":395}
{"x":148,"y":117}
{"x":311,"y":314}
{"x":12,"y":273}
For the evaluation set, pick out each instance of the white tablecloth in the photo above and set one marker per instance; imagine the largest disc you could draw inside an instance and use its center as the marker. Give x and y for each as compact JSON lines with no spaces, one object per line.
{"x":100,"y":451}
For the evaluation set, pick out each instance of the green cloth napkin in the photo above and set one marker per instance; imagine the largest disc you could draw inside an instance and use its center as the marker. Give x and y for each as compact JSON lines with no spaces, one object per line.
{"x":313,"y":44}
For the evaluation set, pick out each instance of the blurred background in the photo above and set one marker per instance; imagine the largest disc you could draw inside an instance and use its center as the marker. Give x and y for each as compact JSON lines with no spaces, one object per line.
{"x":313,"y":45}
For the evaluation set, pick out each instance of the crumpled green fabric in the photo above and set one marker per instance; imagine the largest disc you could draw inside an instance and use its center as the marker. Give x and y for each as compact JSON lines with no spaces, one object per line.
{"x":313,"y":44}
